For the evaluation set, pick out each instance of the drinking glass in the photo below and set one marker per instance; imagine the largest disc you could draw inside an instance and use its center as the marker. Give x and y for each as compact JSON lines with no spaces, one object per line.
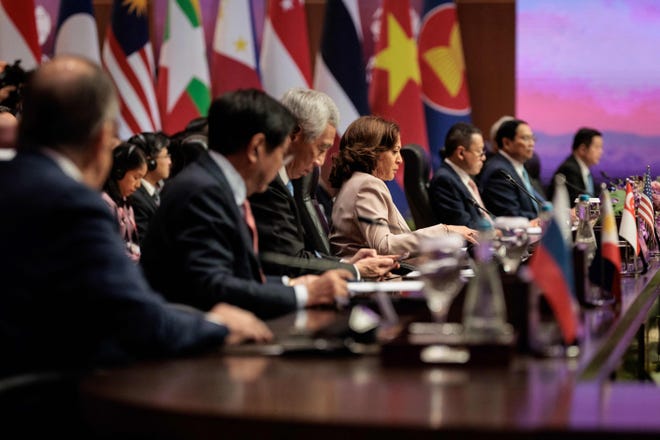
{"x":442,"y":259}
{"x":511,"y":241}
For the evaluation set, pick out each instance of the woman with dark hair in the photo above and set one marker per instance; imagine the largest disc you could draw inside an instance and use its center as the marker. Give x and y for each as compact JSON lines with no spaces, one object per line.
{"x":129,"y":166}
{"x":364,"y":214}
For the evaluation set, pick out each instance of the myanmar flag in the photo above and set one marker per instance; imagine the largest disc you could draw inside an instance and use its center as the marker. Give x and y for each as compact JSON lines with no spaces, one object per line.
{"x":183,"y":76}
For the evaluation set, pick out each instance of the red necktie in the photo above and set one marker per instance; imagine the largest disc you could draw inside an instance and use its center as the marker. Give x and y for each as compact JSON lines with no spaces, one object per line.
{"x":252,"y":224}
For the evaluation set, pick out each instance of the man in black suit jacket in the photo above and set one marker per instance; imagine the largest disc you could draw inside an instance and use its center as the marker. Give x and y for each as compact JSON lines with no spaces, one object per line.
{"x":279,"y":218}
{"x":71,"y":299}
{"x":502,"y":197}
{"x":199,"y":249}
{"x":586,"y":152}
{"x":454,"y":196}
{"x":146,"y":198}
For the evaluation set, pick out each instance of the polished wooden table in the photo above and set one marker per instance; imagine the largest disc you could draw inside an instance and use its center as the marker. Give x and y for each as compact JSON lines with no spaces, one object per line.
{"x":355,"y":396}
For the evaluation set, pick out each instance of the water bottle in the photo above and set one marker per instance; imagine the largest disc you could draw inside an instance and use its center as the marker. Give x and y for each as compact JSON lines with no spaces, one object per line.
{"x":584,"y":235}
{"x":484,"y":311}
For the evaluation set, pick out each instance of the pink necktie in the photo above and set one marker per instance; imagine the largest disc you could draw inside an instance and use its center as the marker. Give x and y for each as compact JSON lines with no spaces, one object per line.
{"x":252,"y":224}
{"x":477,"y":197}
{"x":249,"y":220}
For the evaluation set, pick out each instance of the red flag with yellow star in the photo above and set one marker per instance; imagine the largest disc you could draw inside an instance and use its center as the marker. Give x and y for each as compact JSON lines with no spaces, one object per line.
{"x":395,"y":89}
{"x":444,"y":80}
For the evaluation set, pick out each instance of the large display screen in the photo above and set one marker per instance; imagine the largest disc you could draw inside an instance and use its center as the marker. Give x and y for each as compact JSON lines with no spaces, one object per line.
{"x":593,"y":63}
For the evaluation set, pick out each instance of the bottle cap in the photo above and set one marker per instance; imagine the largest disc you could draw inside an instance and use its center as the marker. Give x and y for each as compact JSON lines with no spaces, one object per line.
{"x":584,"y":197}
{"x":546,"y":206}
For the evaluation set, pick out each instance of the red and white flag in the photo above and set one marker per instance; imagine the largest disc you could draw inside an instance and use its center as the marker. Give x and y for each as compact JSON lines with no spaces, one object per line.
{"x":18,"y":33}
{"x":129,"y":59}
{"x":628,"y":226}
{"x":285,"y":60}
{"x":234,"y":62}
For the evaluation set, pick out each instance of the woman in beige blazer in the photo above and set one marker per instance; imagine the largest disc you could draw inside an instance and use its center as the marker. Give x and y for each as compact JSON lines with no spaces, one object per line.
{"x":364,"y":215}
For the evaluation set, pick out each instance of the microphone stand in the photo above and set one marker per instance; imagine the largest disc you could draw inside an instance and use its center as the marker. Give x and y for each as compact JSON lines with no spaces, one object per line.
{"x":522,"y":188}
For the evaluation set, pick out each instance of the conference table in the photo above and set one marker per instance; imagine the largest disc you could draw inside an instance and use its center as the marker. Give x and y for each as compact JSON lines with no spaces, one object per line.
{"x":260,"y":392}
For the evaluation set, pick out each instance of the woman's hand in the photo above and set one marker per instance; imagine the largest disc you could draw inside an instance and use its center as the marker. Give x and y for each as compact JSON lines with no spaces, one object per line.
{"x":470,"y":235}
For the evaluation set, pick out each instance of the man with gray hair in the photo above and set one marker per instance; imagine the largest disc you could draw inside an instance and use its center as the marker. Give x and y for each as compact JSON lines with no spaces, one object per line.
{"x":278,"y":216}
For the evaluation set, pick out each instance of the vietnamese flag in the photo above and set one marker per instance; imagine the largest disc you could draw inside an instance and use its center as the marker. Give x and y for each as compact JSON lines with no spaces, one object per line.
{"x":395,"y":89}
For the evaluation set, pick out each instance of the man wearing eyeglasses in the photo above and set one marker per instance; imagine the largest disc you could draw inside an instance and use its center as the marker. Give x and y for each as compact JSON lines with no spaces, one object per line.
{"x":454,"y":196}
{"x":504,"y":182}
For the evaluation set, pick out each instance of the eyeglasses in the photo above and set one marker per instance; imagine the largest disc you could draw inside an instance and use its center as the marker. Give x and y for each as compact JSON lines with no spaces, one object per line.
{"x":482,"y":154}
{"x":528,"y":138}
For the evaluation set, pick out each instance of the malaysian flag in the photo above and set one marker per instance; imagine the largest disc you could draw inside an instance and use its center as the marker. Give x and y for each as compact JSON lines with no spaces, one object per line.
{"x":128,"y":57}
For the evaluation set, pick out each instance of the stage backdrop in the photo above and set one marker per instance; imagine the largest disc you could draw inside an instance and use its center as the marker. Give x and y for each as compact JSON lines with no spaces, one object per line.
{"x":591,"y":63}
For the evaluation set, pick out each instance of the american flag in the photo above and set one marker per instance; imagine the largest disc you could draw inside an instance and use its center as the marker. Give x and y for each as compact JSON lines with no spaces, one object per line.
{"x":646,"y":201}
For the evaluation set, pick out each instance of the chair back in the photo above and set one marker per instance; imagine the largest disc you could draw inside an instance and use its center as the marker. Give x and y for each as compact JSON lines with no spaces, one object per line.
{"x":311,"y":217}
{"x":416,"y":174}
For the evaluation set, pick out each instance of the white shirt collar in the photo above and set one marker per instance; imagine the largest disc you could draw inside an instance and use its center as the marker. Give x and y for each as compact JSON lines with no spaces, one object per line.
{"x":465,"y":177}
{"x":284,"y":176}
{"x":151,"y":190}
{"x":584,"y":170}
{"x":7,"y":153}
{"x":236,"y":182}
{"x":518,"y":166}
{"x":64,"y":163}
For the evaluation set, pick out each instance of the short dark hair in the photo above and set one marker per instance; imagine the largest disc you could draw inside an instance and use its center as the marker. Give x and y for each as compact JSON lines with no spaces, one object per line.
{"x":459,"y":134}
{"x":584,"y":136}
{"x":66,"y":109}
{"x":507,"y":130}
{"x":359,"y":147}
{"x":235,"y":117}
{"x":150,"y":143}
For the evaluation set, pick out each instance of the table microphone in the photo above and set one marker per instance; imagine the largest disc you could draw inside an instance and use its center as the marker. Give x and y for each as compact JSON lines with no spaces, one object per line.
{"x":577,"y":188}
{"x":521,"y":187}
{"x":478,"y":206}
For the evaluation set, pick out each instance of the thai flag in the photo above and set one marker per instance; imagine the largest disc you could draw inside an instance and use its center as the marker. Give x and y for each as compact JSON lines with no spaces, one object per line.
{"x":552,"y":267}
{"x":18,"y":33}
{"x":285,"y":60}
{"x":76,"y":30}
{"x":340,"y":64}
{"x":442,"y":66}
{"x":234,"y":60}
{"x":128,"y":57}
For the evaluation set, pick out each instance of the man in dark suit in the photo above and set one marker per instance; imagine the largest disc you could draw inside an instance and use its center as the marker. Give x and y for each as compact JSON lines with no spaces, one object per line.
{"x":586,"y":152}
{"x":280,"y":218}
{"x":71,"y":299}
{"x":502,"y":197}
{"x":454,"y":195}
{"x":146,"y":198}
{"x":201,"y":247}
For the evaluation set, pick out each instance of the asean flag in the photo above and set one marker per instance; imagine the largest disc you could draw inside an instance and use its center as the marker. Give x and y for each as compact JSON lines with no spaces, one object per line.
{"x":442,"y":66}
{"x":395,"y":89}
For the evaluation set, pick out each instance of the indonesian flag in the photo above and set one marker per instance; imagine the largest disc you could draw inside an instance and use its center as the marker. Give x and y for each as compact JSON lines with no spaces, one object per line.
{"x":184,"y":91}
{"x":285,"y":60}
{"x":18,"y":33}
{"x":628,"y":227}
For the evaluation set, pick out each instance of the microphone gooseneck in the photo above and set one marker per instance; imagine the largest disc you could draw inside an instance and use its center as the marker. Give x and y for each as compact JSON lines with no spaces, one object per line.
{"x":478,"y":206}
{"x":513,"y":181}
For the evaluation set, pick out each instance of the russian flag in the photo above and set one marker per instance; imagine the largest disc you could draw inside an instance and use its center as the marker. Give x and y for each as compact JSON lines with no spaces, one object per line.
{"x":552,"y":268}
{"x":234,"y":60}
{"x":340,"y":64}
{"x":76,"y":30}
{"x":18,"y":33}
{"x":128,"y":58}
{"x":442,"y":66}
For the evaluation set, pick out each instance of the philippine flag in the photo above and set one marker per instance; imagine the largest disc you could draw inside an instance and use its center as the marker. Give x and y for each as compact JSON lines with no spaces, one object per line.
{"x":552,"y":268}
{"x":76,"y":30}
{"x":605,"y":270}
{"x":234,"y":59}
{"x":442,"y":66}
